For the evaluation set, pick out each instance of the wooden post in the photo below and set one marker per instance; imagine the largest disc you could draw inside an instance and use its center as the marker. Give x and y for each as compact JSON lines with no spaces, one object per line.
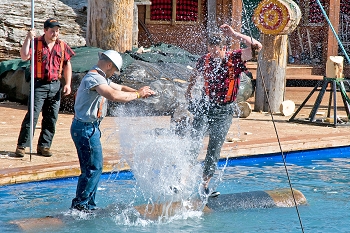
{"x":212,"y":24}
{"x":272,"y":69}
{"x":237,"y":12}
{"x":110,"y":24}
{"x":333,"y":12}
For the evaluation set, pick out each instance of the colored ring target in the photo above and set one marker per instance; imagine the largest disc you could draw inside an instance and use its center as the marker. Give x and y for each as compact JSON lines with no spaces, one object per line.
{"x":271,"y":16}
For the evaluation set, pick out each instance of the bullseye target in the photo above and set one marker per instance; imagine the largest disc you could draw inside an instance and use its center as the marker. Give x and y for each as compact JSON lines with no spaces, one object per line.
{"x":272,"y":16}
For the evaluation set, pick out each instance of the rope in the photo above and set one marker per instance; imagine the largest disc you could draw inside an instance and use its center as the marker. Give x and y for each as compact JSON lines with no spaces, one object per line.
{"x":276,"y":132}
{"x":282,"y":154}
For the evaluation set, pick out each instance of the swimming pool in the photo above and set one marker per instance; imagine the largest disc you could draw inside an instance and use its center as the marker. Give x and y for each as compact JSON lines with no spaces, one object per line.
{"x":321,"y":175}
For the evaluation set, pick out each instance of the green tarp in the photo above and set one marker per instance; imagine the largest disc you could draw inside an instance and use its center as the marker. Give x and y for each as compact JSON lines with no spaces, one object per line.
{"x":86,"y":57}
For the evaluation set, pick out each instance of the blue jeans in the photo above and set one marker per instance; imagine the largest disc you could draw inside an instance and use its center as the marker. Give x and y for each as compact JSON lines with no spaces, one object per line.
{"x":217,"y":121}
{"x":86,"y":137}
{"x":47,"y":98}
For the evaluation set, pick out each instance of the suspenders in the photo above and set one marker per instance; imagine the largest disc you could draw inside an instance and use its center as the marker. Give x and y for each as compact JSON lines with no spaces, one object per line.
{"x":39,"y":60}
{"x":99,"y":111}
{"x":231,"y":74}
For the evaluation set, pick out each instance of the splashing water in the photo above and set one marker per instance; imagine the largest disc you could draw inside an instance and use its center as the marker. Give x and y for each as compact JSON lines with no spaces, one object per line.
{"x":159,"y":160}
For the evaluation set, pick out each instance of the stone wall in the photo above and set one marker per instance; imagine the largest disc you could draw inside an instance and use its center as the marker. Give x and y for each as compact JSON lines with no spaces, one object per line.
{"x":15,"y":20}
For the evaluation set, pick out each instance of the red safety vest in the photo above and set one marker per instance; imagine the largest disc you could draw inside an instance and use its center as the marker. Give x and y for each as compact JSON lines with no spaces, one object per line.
{"x":39,"y":60}
{"x":232,"y":86}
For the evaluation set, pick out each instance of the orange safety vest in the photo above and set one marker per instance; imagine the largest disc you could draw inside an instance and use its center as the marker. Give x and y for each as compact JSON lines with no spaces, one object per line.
{"x":231,"y":86}
{"x":39,"y":60}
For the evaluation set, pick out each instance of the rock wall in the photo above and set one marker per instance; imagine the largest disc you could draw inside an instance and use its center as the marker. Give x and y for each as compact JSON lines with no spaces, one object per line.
{"x":15,"y":20}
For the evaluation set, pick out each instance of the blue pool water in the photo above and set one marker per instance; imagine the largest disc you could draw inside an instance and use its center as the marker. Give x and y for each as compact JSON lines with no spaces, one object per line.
{"x":323,"y":176}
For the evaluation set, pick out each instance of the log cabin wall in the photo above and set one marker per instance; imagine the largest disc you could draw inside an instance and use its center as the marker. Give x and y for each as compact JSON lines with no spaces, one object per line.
{"x":313,"y":41}
{"x":189,"y":36}
{"x":308,"y":42}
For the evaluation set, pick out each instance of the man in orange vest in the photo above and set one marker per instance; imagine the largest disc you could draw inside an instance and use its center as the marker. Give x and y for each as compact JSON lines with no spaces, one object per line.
{"x":51,"y":57}
{"x":213,"y":110}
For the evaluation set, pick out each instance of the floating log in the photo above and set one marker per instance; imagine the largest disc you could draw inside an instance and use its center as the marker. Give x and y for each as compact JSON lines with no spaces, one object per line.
{"x":223,"y":202}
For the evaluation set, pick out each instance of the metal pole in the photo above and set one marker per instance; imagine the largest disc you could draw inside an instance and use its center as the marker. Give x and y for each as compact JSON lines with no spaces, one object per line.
{"x":31,"y":103}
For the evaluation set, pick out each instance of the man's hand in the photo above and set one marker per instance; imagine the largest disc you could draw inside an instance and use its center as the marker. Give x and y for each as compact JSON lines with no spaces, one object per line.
{"x":227,"y":30}
{"x":145,"y":92}
{"x":67,"y":90}
{"x":31,"y":34}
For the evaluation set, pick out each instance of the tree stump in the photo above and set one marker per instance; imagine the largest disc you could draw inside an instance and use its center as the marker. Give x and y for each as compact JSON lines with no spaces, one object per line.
{"x":275,"y":19}
{"x":110,"y":24}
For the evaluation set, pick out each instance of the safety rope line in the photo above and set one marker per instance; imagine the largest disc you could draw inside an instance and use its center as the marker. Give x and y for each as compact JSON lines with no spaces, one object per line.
{"x":276,"y":132}
{"x":282,"y":154}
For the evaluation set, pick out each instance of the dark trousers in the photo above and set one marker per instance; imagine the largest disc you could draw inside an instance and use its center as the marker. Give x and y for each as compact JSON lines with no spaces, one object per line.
{"x":47,"y":98}
{"x":86,"y":137}
{"x":216,"y":120}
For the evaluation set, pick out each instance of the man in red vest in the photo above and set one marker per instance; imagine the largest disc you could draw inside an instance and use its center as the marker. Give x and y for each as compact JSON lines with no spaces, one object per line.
{"x":213,"y":110}
{"x":51,"y":57}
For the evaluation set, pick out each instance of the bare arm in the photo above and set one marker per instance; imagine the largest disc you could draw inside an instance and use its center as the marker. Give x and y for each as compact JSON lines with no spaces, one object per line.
{"x":120,"y":93}
{"x":249,"y":41}
{"x":68,"y":78}
{"x":25,"y":51}
{"x":192,"y":82}
{"x":119,"y":87}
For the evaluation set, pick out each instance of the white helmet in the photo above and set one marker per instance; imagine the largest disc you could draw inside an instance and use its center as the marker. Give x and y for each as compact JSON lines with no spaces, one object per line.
{"x":115,"y":58}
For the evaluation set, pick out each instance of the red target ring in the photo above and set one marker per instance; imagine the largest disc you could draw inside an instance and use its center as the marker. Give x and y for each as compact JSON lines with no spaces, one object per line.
{"x":271,"y":16}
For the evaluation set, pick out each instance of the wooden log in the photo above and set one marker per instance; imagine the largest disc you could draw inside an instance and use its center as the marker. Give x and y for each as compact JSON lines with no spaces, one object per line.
{"x":223,"y":202}
{"x":287,"y":107}
{"x":334,"y":67}
{"x":110,"y":24}
{"x":271,"y":71}
{"x":245,"y":108}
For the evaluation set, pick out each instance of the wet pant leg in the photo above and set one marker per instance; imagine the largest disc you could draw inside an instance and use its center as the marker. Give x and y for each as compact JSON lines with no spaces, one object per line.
{"x":86,"y":137}
{"x":220,"y":120}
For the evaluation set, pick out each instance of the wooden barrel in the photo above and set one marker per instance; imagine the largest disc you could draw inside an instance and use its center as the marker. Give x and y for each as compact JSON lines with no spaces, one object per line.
{"x":277,"y":17}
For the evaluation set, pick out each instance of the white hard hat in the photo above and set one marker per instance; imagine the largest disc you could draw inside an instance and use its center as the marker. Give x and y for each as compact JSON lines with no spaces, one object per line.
{"x":115,"y":58}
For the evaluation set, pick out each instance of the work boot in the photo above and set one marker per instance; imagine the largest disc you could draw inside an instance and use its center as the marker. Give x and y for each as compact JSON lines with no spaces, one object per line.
{"x":209,"y":193}
{"x":44,"y":151}
{"x":20,"y":152}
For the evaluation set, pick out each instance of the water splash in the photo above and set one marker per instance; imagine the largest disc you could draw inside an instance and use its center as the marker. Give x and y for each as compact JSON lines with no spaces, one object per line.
{"x":166,"y":176}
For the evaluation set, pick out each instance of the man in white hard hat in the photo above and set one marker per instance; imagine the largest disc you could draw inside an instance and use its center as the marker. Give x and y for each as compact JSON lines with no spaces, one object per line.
{"x":90,"y":107}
